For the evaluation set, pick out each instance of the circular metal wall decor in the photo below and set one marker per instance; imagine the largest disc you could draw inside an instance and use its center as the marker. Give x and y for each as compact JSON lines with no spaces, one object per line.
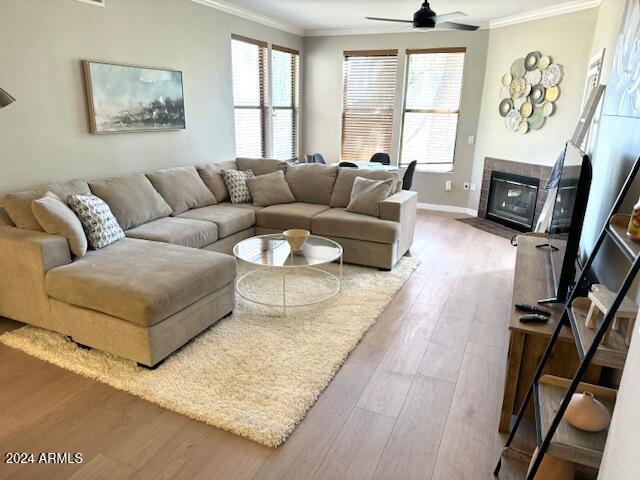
{"x":529,"y":92}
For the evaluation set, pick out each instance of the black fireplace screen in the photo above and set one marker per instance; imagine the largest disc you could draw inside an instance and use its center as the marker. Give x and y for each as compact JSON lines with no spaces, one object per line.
{"x":512,"y":200}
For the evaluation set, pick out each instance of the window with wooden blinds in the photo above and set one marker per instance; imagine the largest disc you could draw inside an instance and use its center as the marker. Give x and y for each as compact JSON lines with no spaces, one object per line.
{"x":249,"y":73}
{"x":432,"y":106}
{"x":284,"y":85}
{"x":369,"y":84}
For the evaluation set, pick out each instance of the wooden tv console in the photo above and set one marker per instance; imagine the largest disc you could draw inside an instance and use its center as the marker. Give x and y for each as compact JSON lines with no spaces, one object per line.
{"x":527,"y":342}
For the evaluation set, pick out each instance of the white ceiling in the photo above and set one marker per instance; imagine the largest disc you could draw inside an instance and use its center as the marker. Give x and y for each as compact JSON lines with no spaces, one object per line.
{"x":322,"y":17}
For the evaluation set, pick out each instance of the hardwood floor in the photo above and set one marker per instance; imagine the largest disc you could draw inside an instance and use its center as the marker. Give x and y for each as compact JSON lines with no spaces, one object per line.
{"x":418,"y":398}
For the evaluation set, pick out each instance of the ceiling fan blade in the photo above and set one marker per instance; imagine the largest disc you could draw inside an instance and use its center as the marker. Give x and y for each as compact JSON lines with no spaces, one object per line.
{"x":458,"y":26}
{"x":389,"y":20}
{"x":448,"y":17}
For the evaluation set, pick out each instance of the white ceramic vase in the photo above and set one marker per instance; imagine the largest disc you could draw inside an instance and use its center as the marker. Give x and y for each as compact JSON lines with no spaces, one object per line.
{"x":586,"y":413}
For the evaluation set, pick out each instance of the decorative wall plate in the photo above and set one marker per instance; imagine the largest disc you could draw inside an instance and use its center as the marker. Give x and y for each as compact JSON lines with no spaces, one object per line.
{"x":547,"y":109}
{"x":536,"y":120}
{"x":528,"y":92}
{"x":518,"y":102}
{"x":552,"y":94}
{"x":526,"y":109}
{"x":531,"y":60}
{"x":523,"y":127}
{"x":537,"y":94}
{"x":544,"y":62}
{"x":517,"y":68}
{"x":505,"y":106}
{"x":533,"y":77}
{"x":513,"y":120}
{"x":551,"y":76}
{"x":518,"y":87}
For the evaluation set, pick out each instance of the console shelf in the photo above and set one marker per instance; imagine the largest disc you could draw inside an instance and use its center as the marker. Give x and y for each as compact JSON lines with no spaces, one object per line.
{"x":618,"y":232}
{"x":611,"y":354}
{"x":568,"y":442}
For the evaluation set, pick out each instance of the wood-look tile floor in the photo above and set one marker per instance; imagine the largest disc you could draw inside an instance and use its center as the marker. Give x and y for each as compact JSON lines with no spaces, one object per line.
{"x":418,"y":399}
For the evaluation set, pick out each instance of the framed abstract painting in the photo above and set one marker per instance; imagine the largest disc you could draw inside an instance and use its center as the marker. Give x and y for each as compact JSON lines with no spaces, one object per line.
{"x":131,"y":98}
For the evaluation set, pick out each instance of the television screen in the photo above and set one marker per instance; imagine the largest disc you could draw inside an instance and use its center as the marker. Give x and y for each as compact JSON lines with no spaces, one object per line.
{"x":567,"y":218}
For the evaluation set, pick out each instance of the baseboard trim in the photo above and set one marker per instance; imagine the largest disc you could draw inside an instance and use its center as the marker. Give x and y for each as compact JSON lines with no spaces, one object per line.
{"x":447,"y":208}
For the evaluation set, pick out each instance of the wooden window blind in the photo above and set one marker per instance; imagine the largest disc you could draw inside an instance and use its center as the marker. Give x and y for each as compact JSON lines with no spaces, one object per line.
{"x":369,"y":85}
{"x":285,"y":65}
{"x":249,"y":87}
{"x":432,"y":107}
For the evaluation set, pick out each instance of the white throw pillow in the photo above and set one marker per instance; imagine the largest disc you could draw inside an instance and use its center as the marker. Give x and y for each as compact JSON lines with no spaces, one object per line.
{"x":99,"y":224}
{"x":236,"y":182}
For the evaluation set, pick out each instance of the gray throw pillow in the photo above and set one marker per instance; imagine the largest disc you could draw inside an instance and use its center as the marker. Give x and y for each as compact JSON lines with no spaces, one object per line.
{"x":270,"y":189}
{"x":236,"y":183}
{"x":99,"y":224}
{"x":56,"y":218}
{"x":182,"y":188}
{"x":366,"y":196}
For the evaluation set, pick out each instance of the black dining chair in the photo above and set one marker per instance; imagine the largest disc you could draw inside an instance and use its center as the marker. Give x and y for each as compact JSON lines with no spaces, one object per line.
{"x":318,"y":158}
{"x":381,"y":157}
{"x":348,"y":165}
{"x":407,"y":180}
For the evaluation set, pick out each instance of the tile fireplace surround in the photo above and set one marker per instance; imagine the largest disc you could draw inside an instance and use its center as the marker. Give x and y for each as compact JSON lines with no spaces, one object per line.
{"x":516,"y":168}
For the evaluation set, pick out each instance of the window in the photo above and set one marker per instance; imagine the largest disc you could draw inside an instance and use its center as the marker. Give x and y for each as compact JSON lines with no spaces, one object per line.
{"x":369,"y":84}
{"x":432,"y":106}
{"x":284,"y":117}
{"x":249,"y":73}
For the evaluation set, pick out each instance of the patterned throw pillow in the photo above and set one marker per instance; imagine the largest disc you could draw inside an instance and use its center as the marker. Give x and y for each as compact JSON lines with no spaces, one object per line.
{"x":236,"y":182}
{"x":99,"y":224}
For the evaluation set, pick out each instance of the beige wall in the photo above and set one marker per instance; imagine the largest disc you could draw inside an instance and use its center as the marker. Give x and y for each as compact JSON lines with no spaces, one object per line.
{"x":567,"y":39}
{"x":323,"y":100}
{"x":44,"y":136}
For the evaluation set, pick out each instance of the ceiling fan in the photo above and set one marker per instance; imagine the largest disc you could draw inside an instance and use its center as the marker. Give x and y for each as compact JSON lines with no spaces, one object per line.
{"x":427,"y":18}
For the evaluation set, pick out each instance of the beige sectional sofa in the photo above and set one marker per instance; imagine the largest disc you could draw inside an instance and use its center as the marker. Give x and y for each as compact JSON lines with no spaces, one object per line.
{"x":172,"y":277}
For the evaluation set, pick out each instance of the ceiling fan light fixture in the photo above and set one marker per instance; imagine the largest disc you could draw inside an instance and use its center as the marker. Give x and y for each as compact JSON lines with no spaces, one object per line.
{"x":423,"y":18}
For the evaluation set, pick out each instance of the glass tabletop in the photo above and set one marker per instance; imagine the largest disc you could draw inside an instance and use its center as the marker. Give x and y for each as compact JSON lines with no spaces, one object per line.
{"x":274,"y":251}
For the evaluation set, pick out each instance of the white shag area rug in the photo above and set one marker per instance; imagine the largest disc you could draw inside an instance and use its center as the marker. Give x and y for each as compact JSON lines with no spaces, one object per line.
{"x":255,"y":373}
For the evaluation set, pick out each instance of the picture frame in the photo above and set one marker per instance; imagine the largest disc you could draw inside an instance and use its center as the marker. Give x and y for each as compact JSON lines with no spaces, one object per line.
{"x":95,"y":3}
{"x":127,"y":98}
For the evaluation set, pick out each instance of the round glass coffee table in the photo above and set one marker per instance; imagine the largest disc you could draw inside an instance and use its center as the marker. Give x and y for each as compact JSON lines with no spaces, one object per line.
{"x":284,"y":278}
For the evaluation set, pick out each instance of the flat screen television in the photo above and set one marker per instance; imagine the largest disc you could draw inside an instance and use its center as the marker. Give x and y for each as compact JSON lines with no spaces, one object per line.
{"x":565,"y":228}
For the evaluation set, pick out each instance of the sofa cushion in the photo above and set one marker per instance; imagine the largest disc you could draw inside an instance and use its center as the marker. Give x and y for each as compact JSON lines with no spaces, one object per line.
{"x":140,"y":281}
{"x":367,"y":195}
{"x":261,"y":166}
{"x":230,"y":219}
{"x":211,"y":175}
{"x":236,"y":182}
{"x":338,"y":223}
{"x":5,"y":219}
{"x":182,"y":188}
{"x":55,"y":217}
{"x":312,"y":183}
{"x":179,"y":231}
{"x":250,"y":206}
{"x":98,"y":222}
{"x":18,"y":204}
{"x":132,"y":199}
{"x":270,"y":189}
{"x":291,"y":215}
{"x":344,"y":183}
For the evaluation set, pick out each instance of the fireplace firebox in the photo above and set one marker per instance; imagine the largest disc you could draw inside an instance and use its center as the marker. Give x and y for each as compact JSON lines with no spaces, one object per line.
{"x":512,"y":200}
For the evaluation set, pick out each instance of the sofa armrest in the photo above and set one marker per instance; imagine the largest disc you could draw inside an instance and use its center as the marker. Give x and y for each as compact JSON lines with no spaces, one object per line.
{"x":401,"y":207}
{"x":25,"y":258}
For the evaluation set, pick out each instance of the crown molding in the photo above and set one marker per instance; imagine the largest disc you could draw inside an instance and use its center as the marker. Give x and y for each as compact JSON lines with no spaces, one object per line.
{"x":569,"y":7}
{"x":250,"y":15}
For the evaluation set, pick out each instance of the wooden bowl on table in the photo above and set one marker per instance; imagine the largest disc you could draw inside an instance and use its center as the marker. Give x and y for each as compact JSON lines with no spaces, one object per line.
{"x":296,"y":238}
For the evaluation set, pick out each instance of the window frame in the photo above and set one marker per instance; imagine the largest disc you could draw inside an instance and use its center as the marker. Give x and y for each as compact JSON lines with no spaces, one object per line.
{"x":263,"y":73}
{"x":365,"y":53}
{"x":440,"y":167}
{"x":295,"y":100}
